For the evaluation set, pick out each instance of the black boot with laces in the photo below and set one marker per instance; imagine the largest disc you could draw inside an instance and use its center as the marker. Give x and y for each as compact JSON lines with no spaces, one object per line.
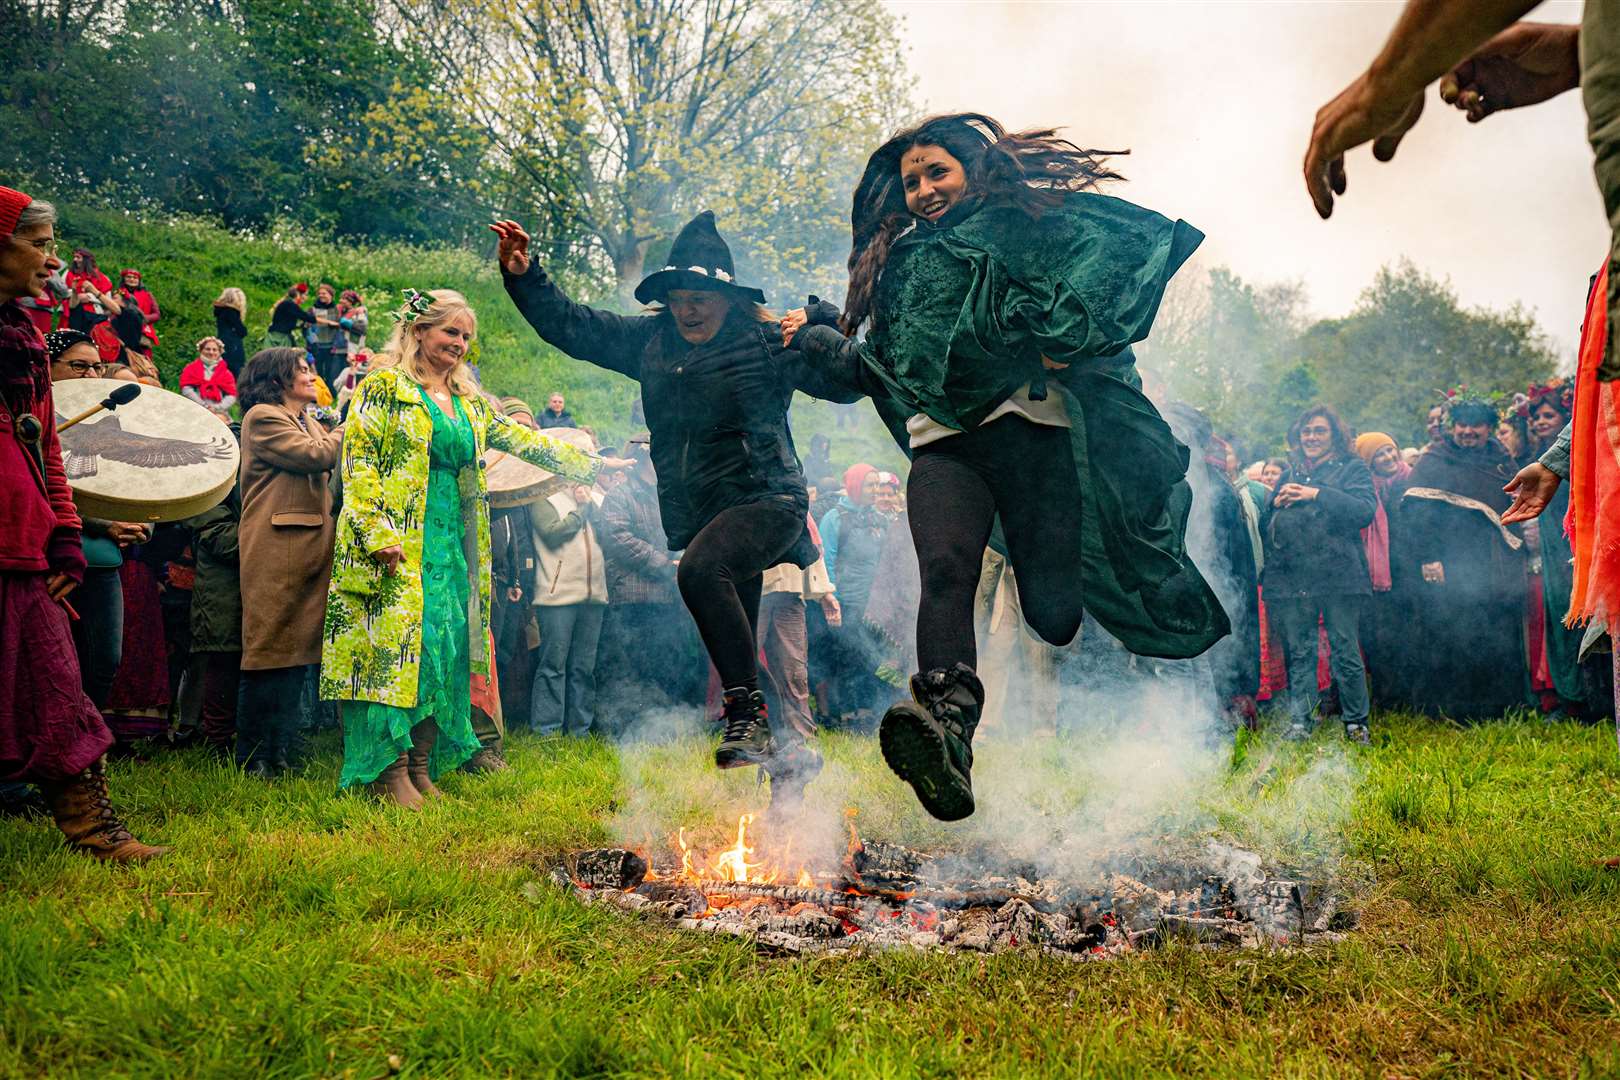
{"x":747,"y":736}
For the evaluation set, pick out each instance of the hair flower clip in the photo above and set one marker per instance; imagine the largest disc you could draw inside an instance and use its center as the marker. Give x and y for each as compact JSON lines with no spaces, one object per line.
{"x":416,"y":305}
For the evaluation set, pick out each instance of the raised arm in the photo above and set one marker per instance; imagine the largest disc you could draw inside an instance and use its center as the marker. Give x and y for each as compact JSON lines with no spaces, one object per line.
{"x":597,"y":337}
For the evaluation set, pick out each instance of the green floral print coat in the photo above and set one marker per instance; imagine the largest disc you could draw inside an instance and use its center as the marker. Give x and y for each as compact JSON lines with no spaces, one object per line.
{"x":371,"y":650}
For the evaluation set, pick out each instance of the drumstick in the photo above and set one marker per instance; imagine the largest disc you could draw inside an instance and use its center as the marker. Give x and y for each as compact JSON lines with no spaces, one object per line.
{"x":121,"y":396}
{"x":74,"y":615}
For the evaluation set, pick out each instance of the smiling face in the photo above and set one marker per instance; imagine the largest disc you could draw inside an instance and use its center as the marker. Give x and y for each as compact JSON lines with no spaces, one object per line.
{"x":1270,"y":475}
{"x":27,"y":261}
{"x":444,"y":345}
{"x":210,"y":351}
{"x":555,"y":404}
{"x":79,"y":361}
{"x":302,"y":390}
{"x":1508,"y":436}
{"x":1316,"y":437}
{"x":1437,"y":422}
{"x":1470,"y":436}
{"x":934,"y":181}
{"x":323,"y":296}
{"x":699,"y":313}
{"x":1386,"y":462}
{"x":1546,"y":422}
{"x":131,"y":281}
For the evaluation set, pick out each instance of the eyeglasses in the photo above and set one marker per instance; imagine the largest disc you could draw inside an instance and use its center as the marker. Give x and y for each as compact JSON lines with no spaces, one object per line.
{"x":82,"y":368}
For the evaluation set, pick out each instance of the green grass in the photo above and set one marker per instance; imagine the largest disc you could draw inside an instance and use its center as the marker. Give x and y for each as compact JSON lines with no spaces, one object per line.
{"x":297,"y":932}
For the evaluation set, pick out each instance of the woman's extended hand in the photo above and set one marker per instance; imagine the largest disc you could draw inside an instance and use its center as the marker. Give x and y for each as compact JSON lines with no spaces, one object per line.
{"x":514,"y":250}
{"x":791,"y":324}
{"x":614,"y":464}
{"x":389,"y":558}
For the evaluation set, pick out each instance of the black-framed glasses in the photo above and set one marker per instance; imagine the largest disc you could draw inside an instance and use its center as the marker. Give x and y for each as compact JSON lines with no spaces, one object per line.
{"x":82,"y":368}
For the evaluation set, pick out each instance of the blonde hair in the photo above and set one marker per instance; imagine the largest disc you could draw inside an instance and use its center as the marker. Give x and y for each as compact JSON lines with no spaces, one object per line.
{"x":403,"y":350}
{"x":233,"y":297}
{"x":203,"y":341}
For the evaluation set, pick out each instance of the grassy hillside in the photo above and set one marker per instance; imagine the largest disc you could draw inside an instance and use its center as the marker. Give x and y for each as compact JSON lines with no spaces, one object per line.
{"x":186,"y":262}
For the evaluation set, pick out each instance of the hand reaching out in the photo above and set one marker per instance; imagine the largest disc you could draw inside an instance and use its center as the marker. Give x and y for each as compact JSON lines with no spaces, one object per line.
{"x":513,"y":252}
{"x":1361,"y":113}
{"x":792,"y":322}
{"x":1526,"y":64}
{"x":1532,"y":489}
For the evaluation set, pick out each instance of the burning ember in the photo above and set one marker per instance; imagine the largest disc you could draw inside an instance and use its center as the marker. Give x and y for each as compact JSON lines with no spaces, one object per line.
{"x":888,"y":896}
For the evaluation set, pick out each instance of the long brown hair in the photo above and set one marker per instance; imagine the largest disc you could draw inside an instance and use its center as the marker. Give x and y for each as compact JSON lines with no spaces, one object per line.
{"x":1032,"y":170}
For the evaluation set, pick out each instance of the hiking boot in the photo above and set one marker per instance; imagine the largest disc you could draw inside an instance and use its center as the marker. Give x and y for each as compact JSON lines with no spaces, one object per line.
{"x":488,"y":760}
{"x":746,"y":739}
{"x":1297,"y":732}
{"x":394,"y":785}
{"x":1358,"y":733}
{"x":423,"y":736}
{"x":84,"y":813}
{"x":928,"y":742}
{"x":791,"y":768}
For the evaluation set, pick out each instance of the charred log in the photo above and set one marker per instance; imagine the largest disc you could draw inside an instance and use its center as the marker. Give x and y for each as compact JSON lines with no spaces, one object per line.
{"x":607,"y":868}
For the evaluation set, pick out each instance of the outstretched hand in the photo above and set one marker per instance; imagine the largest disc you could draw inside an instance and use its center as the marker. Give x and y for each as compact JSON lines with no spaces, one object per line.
{"x":1526,"y":64}
{"x":1361,"y":113}
{"x":1532,"y":489}
{"x":514,"y":248}
{"x":792,"y":322}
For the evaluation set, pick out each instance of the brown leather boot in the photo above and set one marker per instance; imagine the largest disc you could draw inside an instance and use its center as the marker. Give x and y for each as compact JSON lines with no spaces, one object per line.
{"x":394,"y":784}
{"x":423,"y":736}
{"x":84,"y":813}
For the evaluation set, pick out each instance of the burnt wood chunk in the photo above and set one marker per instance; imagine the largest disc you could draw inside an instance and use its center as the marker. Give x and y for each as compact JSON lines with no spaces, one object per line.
{"x":607,"y":868}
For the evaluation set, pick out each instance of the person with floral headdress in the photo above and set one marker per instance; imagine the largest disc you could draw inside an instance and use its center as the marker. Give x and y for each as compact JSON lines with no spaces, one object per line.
{"x":1462,"y":571}
{"x":406,"y":637}
{"x":207,"y":380}
{"x":1004,"y":295}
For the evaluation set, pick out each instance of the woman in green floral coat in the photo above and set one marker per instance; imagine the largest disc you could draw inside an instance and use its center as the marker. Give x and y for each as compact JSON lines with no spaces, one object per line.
{"x":407,"y":617}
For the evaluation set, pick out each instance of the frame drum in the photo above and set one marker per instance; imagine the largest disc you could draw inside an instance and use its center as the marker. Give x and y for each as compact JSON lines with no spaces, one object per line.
{"x":162,"y":457}
{"x":514,"y":482}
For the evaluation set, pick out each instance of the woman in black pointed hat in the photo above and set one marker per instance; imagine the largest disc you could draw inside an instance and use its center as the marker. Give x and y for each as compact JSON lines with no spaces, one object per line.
{"x":716,"y":381}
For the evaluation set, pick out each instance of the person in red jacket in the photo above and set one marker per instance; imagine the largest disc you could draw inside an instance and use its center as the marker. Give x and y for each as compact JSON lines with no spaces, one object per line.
{"x":207,"y":380}
{"x":50,"y":733}
{"x":132,"y":290}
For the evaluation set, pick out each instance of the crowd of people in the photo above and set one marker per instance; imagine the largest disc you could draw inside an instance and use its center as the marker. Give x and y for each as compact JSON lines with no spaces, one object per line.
{"x":1055,"y":517}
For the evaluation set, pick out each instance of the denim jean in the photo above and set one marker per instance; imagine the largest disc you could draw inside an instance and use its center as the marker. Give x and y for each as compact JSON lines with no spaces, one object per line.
{"x":98,"y":635}
{"x":270,"y":709}
{"x":565,"y":677}
{"x":1296,"y":619}
{"x":784,"y":640}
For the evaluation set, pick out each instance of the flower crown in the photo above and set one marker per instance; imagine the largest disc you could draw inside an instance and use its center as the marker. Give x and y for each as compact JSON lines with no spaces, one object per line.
{"x":1558,"y":392}
{"x":1460,"y":395}
{"x":416,"y":305}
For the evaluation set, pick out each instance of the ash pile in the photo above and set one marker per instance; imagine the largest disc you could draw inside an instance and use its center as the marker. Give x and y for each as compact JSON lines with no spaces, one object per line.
{"x":886,"y":896}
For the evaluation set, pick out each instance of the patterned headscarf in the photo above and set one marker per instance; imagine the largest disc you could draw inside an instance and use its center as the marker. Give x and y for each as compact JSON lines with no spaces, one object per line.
{"x":58,"y":342}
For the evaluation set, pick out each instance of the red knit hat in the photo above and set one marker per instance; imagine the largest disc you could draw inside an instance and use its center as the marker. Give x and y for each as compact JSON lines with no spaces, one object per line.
{"x":12,"y":204}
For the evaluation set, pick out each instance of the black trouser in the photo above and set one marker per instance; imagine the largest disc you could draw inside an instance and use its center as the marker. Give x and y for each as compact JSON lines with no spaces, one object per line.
{"x":719,"y":578}
{"x":269,"y":712}
{"x":98,"y":635}
{"x":1025,"y":473}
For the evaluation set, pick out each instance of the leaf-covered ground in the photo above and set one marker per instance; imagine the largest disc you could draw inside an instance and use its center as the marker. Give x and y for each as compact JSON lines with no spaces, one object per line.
{"x":296,"y":932}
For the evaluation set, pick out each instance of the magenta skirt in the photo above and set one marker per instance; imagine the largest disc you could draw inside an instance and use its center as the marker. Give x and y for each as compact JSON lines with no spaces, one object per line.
{"x":49,"y":730}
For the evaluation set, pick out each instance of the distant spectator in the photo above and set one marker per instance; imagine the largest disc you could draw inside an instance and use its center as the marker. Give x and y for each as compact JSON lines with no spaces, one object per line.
{"x":555,"y":414}
{"x":326,"y":333}
{"x":216,"y":617}
{"x":355,"y":321}
{"x":88,"y":291}
{"x":230,"y":326}
{"x":132,"y":290}
{"x":570,"y":597}
{"x":818,"y":466}
{"x":1272,"y":471}
{"x":285,"y":319}
{"x":1316,"y":566}
{"x":207,"y":380}
{"x":852,"y":536}
{"x":1385,"y":625}
{"x":42,"y":308}
{"x":1435,"y":425}
{"x":360,"y":365}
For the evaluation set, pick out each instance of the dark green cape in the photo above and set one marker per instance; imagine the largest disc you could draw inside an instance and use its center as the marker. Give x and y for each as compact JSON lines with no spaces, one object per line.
{"x":961,"y":318}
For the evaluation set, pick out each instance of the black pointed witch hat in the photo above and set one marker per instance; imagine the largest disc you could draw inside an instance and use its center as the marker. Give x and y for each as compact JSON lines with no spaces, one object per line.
{"x":698,"y":259}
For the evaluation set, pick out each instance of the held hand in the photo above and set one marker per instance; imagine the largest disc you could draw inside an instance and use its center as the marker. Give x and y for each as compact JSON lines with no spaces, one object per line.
{"x":389,"y":558}
{"x":1289,"y":494}
{"x":514,"y":246}
{"x":125,"y":533}
{"x":582,"y":494}
{"x":615,"y":464}
{"x":514,"y":594}
{"x":1526,"y":64}
{"x":1361,"y":113}
{"x":792,"y":322}
{"x":1532,"y":489}
{"x":57,"y":586}
{"x":1434,"y":573}
{"x":834,"y":613}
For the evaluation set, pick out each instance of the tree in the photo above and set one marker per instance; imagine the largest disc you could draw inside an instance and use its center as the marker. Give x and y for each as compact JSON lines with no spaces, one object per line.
{"x":613,"y":122}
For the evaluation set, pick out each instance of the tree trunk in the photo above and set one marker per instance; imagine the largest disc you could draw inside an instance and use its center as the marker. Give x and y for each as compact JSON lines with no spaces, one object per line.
{"x":629,"y":261}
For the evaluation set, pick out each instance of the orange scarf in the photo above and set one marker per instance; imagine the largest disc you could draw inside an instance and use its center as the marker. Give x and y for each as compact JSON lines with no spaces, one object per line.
{"x":1593,"y":522}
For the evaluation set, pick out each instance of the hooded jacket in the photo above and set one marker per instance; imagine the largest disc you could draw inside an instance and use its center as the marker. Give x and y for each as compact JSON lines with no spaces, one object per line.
{"x":1314,"y":548}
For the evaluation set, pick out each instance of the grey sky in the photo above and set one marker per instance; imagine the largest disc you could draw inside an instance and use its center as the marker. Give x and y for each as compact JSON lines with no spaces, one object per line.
{"x":1215,"y":101}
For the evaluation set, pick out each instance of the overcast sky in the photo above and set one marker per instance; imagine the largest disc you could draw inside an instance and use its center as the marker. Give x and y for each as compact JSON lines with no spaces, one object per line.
{"x":1215,"y":101}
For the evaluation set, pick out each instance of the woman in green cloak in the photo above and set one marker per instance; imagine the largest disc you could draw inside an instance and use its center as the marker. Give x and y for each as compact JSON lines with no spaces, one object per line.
{"x":1002,"y":296}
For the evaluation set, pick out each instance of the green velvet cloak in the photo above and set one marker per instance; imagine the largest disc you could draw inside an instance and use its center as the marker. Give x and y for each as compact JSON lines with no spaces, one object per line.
{"x":961,"y":319}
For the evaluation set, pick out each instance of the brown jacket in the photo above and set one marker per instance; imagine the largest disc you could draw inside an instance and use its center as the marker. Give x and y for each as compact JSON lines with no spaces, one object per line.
{"x":286,"y":536}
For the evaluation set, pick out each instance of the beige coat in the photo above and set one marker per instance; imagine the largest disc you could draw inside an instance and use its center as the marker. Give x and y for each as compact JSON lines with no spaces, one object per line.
{"x":286,"y":536}
{"x":571,"y":564}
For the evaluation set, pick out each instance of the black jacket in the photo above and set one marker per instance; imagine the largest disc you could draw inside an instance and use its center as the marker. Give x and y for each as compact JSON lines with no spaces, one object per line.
{"x":1314,"y":548}
{"x":717,"y":412}
{"x":229,"y":329}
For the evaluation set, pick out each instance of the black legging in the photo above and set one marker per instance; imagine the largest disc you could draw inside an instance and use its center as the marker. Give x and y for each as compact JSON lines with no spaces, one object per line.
{"x":1024,"y":472}
{"x":719,"y":577}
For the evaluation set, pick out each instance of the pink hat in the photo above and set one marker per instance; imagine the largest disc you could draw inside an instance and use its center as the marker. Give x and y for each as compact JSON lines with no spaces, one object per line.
{"x":12,"y":204}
